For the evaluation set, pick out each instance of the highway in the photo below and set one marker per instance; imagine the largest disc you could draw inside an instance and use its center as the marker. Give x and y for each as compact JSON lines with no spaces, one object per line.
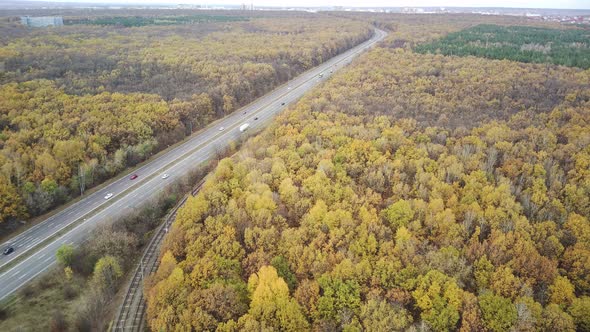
{"x":38,"y":255}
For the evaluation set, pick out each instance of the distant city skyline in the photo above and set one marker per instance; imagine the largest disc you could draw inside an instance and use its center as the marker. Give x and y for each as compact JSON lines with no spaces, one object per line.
{"x":565,"y":4}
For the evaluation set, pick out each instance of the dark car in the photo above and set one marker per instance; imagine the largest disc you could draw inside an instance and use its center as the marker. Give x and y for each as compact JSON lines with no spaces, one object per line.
{"x":244,"y":112}
{"x":256,"y":118}
{"x":133,"y":177}
{"x":283,"y":104}
{"x":8,"y":250}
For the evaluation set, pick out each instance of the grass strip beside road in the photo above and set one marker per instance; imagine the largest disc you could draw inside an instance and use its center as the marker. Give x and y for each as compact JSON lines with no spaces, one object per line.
{"x":32,"y":306}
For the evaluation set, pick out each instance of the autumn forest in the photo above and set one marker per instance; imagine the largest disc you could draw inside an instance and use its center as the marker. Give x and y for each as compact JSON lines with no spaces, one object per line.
{"x":439,"y":182}
{"x":81,"y":103}
{"x":413,"y":191}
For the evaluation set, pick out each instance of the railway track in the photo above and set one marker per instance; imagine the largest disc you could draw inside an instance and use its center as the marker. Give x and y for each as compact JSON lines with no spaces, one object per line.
{"x":131,"y":315}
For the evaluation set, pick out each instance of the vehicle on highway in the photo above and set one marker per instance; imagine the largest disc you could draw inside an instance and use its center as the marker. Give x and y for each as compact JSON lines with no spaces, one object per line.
{"x":8,"y":250}
{"x":201,"y":145}
{"x":283,"y":103}
{"x":256,"y":118}
{"x":289,"y":88}
{"x":165,"y":175}
{"x":244,"y":127}
{"x":321,"y":74}
{"x":221,"y":128}
{"x":133,"y":177}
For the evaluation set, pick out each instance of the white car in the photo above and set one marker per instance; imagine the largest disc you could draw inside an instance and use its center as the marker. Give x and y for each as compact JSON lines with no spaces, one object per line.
{"x":221,"y":128}
{"x":165,"y":176}
{"x":108,"y":196}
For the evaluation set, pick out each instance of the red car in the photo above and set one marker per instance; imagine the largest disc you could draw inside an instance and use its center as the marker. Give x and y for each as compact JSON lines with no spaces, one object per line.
{"x":133,"y":177}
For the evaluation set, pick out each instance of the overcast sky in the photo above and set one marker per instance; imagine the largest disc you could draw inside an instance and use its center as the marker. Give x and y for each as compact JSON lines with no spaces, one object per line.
{"x":572,"y":4}
{"x":568,"y":4}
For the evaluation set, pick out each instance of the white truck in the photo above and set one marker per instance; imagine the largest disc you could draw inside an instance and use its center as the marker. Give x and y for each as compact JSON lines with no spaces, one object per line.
{"x":244,"y":127}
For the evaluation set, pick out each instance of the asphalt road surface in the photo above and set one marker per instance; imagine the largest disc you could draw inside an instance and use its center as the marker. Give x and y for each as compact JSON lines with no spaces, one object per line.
{"x":128,"y":195}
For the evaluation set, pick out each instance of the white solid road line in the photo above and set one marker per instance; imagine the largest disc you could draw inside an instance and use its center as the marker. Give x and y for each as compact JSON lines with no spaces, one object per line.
{"x":184,"y":146}
{"x":176,"y":162}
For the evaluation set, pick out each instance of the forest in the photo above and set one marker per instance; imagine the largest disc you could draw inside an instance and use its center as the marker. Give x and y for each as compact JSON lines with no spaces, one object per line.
{"x":567,"y":47}
{"x":79,"y":104}
{"x":139,"y":21}
{"x":412,"y":30}
{"x":410,"y":192}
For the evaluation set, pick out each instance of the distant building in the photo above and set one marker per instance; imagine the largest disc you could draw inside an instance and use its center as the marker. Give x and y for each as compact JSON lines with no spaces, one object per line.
{"x":43,"y":21}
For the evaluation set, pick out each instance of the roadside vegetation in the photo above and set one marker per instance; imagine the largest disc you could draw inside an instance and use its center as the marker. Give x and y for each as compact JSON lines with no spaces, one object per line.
{"x":568,"y":47}
{"x":80,"y":294}
{"x":79,"y":104}
{"x":410,"y":192}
